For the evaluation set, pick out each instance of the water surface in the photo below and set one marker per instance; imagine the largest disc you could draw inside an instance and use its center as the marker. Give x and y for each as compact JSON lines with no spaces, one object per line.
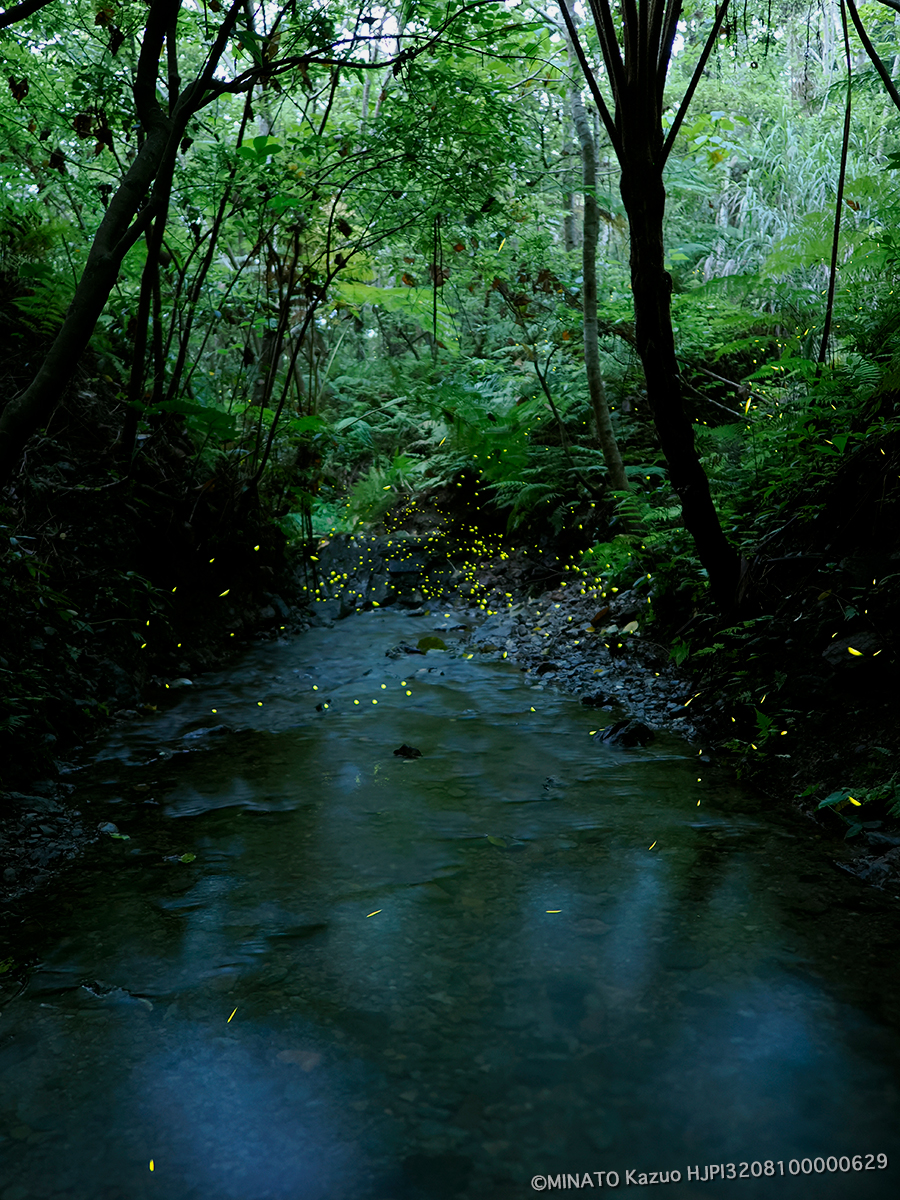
{"x":422,"y":979}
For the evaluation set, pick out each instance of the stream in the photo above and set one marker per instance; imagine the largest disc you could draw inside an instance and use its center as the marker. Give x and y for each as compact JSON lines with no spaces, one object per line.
{"x":526,"y":954}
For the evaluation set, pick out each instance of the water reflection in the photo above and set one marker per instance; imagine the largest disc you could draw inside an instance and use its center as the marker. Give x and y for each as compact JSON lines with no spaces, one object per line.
{"x":405,"y":979}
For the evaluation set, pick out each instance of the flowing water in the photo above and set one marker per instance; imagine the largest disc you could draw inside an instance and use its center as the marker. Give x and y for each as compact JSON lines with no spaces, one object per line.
{"x":418,"y":979}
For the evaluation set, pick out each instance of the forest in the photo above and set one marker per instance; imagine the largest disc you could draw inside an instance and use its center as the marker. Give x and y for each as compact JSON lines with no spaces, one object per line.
{"x":574,"y":326}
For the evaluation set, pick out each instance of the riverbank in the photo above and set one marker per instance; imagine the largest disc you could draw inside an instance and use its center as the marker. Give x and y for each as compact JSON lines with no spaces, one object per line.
{"x":841,"y":747}
{"x":798,"y":703}
{"x":585,"y":638}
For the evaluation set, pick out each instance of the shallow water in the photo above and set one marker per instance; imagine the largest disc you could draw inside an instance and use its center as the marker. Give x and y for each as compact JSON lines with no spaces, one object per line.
{"x":437,"y":978}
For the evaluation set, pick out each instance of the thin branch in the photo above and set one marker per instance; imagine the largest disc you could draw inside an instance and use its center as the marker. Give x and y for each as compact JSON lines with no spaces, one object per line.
{"x":605,"y":115}
{"x":695,"y":79}
{"x":873,"y":53}
{"x":667,"y":38}
{"x":655,"y":24}
{"x":612,"y":55}
{"x":212,"y":90}
{"x":708,"y":399}
{"x":631,"y":37}
{"x":335,"y":76}
{"x":19,"y":12}
{"x":842,"y":175}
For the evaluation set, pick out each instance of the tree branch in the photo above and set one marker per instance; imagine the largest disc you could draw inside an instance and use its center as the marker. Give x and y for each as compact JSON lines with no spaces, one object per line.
{"x":605,"y":115}
{"x":873,"y":53}
{"x":19,"y":12}
{"x":695,"y":79}
{"x":839,"y":201}
{"x":612,"y":55}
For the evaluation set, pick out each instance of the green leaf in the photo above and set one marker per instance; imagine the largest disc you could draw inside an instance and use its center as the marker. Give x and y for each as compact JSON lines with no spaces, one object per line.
{"x":252,"y":43}
{"x":187,"y":858}
{"x":122,"y":837}
{"x":281,"y":203}
{"x":207,"y":420}
{"x":495,"y":841}
{"x":680,"y":651}
{"x":713,"y":649}
{"x":835,"y":800}
{"x":306,"y":424}
{"x":763,"y":722}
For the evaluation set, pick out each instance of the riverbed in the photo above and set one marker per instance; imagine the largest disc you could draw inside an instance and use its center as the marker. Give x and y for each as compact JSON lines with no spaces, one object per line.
{"x":299,"y":966}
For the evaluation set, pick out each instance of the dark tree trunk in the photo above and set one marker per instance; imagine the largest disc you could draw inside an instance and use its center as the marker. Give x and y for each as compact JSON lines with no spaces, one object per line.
{"x":118,"y":232}
{"x":644,"y":198}
{"x":637,"y":61}
{"x":26,"y":413}
{"x":141,"y":196}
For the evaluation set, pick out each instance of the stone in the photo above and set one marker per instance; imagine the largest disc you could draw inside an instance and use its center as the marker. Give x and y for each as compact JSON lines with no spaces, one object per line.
{"x":839,"y":652}
{"x":627,"y":733}
{"x":405,"y":751}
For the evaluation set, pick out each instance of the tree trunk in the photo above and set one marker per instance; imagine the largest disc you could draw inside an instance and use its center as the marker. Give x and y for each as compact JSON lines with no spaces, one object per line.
{"x":141,"y":196}
{"x":591,"y":235}
{"x":644,"y":197}
{"x":636,"y":70}
{"x":26,"y":413}
{"x":570,"y":228}
{"x":117,"y":233}
{"x":149,"y":287}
